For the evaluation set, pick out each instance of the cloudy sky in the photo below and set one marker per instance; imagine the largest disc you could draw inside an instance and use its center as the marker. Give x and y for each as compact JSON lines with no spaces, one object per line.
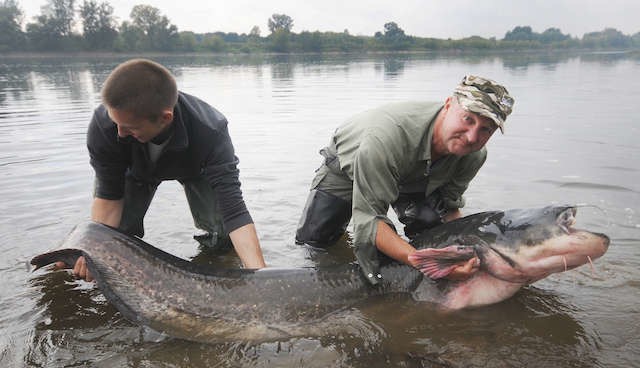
{"x":425,"y":18}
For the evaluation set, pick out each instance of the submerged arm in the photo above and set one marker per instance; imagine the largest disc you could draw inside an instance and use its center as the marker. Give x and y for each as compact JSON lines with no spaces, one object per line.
{"x":106,"y":211}
{"x":246,"y":243}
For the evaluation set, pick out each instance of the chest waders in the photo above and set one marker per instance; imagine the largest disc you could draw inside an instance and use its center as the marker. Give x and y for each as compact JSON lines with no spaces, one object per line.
{"x":203,"y":203}
{"x":326,"y":214}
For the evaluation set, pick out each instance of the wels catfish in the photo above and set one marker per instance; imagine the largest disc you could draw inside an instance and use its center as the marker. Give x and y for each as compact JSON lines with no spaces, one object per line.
{"x":153,"y":288}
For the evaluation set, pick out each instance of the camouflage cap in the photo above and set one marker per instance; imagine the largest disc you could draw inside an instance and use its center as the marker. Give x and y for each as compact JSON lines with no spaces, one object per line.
{"x":485,"y":97}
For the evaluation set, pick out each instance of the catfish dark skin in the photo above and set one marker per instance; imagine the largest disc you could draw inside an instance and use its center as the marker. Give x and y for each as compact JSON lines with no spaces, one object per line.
{"x":153,"y":288}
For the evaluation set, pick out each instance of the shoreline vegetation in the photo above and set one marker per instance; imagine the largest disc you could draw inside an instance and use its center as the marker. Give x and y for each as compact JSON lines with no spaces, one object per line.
{"x":634,"y":53}
{"x":89,"y":28}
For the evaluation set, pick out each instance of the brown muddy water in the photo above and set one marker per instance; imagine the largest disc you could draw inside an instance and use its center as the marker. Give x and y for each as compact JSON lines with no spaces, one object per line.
{"x":571,"y":139}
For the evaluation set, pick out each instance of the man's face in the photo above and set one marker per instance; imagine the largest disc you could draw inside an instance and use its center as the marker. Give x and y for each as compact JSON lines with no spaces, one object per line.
{"x":463,"y":131}
{"x":143,"y":130}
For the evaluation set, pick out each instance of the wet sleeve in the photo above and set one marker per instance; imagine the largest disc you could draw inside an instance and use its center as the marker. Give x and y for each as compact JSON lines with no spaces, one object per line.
{"x":108,"y":159}
{"x":465,"y":171}
{"x":375,"y":177}
{"x":221,"y":170}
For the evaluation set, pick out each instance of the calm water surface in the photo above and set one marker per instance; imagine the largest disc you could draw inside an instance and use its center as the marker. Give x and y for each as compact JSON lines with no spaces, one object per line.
{"x":571,"y":139}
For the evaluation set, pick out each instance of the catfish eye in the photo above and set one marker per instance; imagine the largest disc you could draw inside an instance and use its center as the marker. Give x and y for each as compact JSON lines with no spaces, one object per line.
{"x":566,"y":219}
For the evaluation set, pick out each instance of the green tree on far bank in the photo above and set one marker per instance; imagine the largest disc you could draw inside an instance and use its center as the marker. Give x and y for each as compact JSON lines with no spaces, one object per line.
{"x":52,"y":30}
{"x":635,"y":40}
{"x":187,"y":41}
{"x":279,"y":22}
{"x":309,"y":41}
{"x":159,"y":33}
{"x":280,"y":26}
{"x":520,"y":33}
{"x":609,"y":37}
{"x":393,"y":37}
{"x":65,"y":25}
{"x":98,"y":25}
{"x":523,"y":37}
{"x":553,"y":35}
{"x":11,"y":35}
{"x":213,"y":43}
{"x":255,"y":32}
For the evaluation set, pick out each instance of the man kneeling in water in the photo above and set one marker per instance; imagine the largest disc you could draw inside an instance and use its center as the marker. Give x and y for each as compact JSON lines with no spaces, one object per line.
{"x":418,"y":157}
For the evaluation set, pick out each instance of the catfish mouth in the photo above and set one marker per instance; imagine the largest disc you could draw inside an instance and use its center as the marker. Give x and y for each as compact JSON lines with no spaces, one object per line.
{"x":572,"y":248}
{"x":566,"y":221}
{"x":565,"y":248}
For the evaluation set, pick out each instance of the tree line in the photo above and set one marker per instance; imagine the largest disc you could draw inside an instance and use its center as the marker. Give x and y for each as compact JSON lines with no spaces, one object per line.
{"x":68,"y":25}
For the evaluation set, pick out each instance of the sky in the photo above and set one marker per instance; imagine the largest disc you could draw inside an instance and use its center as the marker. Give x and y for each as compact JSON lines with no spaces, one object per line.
{"x":424,"y":18}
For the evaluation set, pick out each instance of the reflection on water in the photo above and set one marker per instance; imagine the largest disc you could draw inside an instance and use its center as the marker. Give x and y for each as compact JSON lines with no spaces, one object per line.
{"x":571,"y":139}
{"x":511,"y":333}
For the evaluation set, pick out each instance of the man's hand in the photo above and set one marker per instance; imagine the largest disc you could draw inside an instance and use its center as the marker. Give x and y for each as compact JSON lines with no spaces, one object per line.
{"x":454,"y":262}
{"x":80,"y":269}
{"x":465,"y":271}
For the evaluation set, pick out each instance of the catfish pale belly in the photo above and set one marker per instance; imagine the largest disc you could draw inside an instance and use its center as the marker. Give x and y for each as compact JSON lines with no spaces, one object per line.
{"x":153,"y":288}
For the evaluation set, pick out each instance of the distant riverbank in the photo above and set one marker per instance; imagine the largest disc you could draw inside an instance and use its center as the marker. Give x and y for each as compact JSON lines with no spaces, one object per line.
{"x":462,"y":52}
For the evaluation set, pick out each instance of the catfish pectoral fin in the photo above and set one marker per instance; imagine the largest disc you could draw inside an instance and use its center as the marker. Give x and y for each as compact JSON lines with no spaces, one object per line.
{"x":440,"y":262}
{"x":68,"y":256}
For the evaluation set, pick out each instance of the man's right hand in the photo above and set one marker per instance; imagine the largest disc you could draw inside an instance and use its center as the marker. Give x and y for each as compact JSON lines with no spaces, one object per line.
{"x":461,"y":273}
{"x":80,"y":269}
{"x":454,"y":262}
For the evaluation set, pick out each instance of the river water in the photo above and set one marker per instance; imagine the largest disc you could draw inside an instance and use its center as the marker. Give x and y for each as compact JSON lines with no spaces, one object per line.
{"x":572,"y":138}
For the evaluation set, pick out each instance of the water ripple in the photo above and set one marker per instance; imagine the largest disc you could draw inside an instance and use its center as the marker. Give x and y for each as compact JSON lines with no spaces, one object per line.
{"x":587,"y":186}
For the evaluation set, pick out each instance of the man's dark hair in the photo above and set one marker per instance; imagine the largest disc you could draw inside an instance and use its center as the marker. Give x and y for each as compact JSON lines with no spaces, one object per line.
{"x":142,"y":87}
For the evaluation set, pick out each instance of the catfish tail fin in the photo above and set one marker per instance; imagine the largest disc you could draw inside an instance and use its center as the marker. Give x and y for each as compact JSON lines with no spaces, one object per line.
{"x":68,"y":256}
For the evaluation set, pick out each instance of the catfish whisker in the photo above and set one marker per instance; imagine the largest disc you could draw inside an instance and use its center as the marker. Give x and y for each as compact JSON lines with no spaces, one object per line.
{"x":593,"y":269}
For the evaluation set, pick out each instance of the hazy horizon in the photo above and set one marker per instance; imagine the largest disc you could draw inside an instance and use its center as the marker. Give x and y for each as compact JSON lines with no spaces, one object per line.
{"x":423,"y":18}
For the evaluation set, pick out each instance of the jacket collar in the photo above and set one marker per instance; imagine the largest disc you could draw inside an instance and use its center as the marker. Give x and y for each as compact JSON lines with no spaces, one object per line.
{"x":180,"y":139}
